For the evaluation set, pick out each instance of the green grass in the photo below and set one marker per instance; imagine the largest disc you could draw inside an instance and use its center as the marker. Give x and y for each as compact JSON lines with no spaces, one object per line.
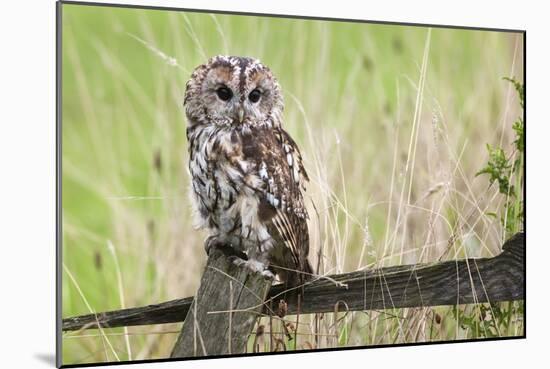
{"x":393,"y":123}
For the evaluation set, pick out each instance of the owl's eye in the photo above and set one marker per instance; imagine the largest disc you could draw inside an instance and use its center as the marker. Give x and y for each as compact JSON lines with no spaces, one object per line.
{"x":224,"y":93}
{"x":254,"y":96}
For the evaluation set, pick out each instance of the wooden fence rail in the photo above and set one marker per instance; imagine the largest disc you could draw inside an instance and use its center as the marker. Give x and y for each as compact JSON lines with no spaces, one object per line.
{"x":500,"y":278}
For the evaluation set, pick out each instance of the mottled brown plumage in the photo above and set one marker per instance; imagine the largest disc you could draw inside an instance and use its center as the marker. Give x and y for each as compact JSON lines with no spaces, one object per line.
{"x":247,"y":172}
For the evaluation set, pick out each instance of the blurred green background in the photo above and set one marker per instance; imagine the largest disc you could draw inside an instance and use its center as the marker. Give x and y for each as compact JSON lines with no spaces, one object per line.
{"x":392,"y":122}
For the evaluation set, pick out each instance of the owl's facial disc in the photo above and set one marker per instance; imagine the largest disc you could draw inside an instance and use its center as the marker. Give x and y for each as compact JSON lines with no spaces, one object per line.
{"x":234,"y":90}
{"x":239,"y":99}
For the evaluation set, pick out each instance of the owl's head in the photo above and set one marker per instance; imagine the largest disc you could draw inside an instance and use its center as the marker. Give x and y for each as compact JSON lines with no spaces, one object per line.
{"x":233,"y":90}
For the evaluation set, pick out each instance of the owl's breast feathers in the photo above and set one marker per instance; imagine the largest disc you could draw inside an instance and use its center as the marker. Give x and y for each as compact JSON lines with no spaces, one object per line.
{"x":262,"y":162}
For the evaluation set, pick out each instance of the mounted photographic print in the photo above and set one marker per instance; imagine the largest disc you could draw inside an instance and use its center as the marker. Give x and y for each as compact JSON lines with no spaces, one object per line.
{"x":238,"y":184}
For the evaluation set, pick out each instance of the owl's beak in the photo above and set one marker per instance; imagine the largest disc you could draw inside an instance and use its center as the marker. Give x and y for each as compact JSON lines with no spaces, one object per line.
{"x":240,"y":114}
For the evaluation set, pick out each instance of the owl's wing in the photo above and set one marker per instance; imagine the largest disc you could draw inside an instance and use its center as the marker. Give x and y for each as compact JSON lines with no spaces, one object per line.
{"x":294,"y":158}
{"x":283,"y":176}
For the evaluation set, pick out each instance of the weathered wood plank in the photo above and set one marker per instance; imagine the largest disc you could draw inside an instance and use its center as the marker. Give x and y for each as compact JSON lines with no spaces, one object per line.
{"x":165,"y":312}
{"x":500,"y":278}
{"x":223,"y":313}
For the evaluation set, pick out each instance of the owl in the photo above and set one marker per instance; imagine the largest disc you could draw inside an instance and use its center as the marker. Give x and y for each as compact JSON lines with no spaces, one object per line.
{"x":247,"y":174}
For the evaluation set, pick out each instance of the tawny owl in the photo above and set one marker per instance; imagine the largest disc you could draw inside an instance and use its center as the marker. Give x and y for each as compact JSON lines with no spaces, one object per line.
{"x":247,"y":172}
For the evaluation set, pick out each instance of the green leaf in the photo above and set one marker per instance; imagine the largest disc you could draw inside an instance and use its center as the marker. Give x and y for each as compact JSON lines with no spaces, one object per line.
{"x":520,"y":88}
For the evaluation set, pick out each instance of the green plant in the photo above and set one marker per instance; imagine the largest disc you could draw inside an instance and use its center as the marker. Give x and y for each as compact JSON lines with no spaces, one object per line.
{"x":489,"y":320}
{"x":502,"y":168}
{"x":495,"y":319}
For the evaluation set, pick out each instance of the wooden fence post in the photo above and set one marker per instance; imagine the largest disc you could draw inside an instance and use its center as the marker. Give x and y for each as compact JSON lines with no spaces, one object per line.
{"x":224,"y":310}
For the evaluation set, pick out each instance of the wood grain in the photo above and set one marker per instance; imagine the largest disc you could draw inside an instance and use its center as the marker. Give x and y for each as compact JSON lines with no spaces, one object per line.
{"x":223,"y":313}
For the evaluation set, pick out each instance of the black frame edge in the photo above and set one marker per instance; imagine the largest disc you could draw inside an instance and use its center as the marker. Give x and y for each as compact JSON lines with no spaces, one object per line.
{"x":288,"y":16}
{"x":58,"y":172}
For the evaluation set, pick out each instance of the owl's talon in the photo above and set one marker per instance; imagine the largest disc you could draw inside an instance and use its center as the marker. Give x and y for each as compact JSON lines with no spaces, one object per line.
{"x":236,"y":260}
{"x":267,"y":274}
{"x":212,"y":242}
{"x":253,"y":265}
